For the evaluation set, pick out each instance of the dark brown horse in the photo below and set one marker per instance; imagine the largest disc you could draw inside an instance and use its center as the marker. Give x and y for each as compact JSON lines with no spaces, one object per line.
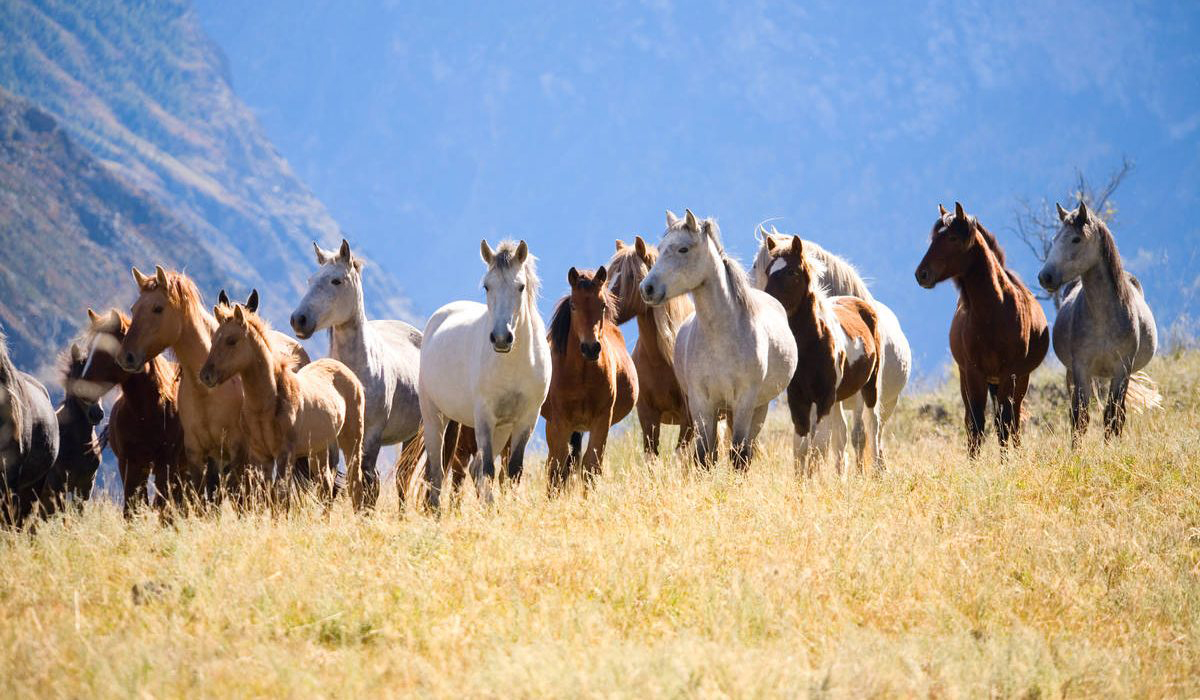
{"x":660,"y":399}
{"x":144,"y":431}
{"x":998,"y":335}
{"x":837,"y":339}
{"x":74,"y":473}
{"x":593,"y":384}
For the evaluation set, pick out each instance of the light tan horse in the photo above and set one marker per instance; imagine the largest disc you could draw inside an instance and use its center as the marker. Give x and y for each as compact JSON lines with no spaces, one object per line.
{"x":288,"y":414}
{"x":170,"y":313}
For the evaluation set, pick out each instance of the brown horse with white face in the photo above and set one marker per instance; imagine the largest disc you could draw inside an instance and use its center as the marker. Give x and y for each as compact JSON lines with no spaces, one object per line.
{"x":593,"y":384}
{"x":660,"y":401}
{"x":170,"y":313}
{"x":998,"y":336}
{"x":288,"y":414}
{"x":839,"y":347}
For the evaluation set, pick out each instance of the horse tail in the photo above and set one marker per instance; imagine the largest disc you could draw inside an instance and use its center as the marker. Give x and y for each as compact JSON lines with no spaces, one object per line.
{"x":410,"y":467}
{"x":1142,"y":394}
{"x":576,"y":448}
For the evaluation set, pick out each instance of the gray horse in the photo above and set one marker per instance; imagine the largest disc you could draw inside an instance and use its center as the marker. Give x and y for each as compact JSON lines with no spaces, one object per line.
{"x":28,"y":439}
{"x":1105,"y":328}
{"x":385,"y":355}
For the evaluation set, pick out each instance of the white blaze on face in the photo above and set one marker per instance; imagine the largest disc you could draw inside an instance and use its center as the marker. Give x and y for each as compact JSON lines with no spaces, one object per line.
{"x":779,"y":264}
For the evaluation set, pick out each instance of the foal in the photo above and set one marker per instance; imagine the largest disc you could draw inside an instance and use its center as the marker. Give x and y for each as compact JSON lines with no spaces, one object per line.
{"x":660,"y":399}
{"x":286,"y":413}
{"x":838,"y":341}
{"x":593,"y":384}
{"x":998,"y":335}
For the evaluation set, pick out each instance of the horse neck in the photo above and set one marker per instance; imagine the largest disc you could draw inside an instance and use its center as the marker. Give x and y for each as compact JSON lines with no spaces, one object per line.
{"x":811,"y":319}
{"x":716,"y":308}
{"x":261,"y":380}
{"x":1100,"y":289}
{"x":145,"y":388}
{"x":984,"y":284}
{"x":195,"y":339}
{"x":348,"y":340}
{"x":648,"y":331}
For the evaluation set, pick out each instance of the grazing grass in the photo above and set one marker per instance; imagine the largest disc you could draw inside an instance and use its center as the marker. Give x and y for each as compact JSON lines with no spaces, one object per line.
{"x":1043,"y":574}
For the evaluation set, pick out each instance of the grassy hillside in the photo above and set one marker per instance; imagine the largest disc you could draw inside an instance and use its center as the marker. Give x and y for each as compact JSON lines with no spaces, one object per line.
{"x":1044,"y":574}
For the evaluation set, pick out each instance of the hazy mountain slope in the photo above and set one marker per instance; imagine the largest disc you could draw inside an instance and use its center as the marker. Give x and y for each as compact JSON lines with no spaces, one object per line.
{"x":69,"y":231}
{"x":140,"y":86}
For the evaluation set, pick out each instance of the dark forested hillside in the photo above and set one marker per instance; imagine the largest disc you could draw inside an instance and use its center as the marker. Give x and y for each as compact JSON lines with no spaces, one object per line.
{"x":141,"y":88}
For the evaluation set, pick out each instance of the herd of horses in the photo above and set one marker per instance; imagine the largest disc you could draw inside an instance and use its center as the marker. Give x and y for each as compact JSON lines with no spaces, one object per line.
{"x":242,"y":411}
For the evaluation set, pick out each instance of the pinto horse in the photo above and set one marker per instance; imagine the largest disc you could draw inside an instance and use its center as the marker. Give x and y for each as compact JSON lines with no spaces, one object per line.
{"x":660,"y":399}
{"x":838,"y":339}
{"x":594,"y":383}
{"x":998,"y":336}
{"x":288,"y":413}
{"x":144,"y":430}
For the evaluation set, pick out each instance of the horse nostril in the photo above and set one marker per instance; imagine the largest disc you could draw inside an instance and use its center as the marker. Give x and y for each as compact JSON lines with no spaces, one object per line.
{"x":492,"y":337}
{"x":299,"y":321}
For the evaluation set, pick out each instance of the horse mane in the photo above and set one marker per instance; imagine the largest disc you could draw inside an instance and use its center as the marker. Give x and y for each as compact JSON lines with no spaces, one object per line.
{"x":10,"y":381}
{"x":505,"y":258}
{"x":163,"y":373}
{"x":739,"y":283}
{"x":1112,"y":258}
{"x":669,"y":316}
{"x":283,"y":365}
{"x":994,"y":245}
{"x":560,"y":325}
{"x":838,"y":276}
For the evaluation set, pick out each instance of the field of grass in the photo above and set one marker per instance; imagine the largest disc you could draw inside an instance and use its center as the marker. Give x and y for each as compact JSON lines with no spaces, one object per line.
{"x":1043,"y":574}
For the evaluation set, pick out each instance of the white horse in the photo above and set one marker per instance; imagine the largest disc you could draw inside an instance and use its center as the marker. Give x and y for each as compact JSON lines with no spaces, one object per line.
{"x":384,"y":355}
{"x":1104,"y":328}
{"x":486,"y":367}
{"x":736,"y":353}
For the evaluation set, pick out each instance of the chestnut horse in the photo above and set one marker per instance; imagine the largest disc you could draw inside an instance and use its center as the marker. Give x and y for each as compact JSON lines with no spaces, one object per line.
{"x":593,"y":383}
{"x":286,"y":413}
{"x":169,"y":313}
{"x":998,"y":336}
{"x":144,"y":430}
{"x":660,"y":399}
{"x":840,"y":350}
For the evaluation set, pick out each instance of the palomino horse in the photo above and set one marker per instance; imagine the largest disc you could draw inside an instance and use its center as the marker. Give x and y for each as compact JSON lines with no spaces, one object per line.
{"x":287,"y":413}
{"x":1105,"y":327}
{"x":838,"y":338}
{"x":486,"y":367}
{"x":144,"y":430}
{"x":594,"y":383}
{"x":28,"y":439}
{"x":385,"y":355}
{"x":998,"y":335}
{"x":839,"y":278}
{"x":736,"y":353}
{"x":169,"y":313}
{"x":74,"y":472}
{"x":660,"y":398}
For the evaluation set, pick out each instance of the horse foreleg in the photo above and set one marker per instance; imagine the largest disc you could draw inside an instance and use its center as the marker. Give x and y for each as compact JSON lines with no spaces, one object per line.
{"x":1020,"y":387}
{"x":483,"y":469}
{"x":1114,"y":409}
{"x":1081,"y":394}
{"x":134,"y":478}
{"x":704,"y":421}
{"x":651,"y":422}
{"x":558,"y":436}
{"x":593,"y":457}
{"x":741,"y":446}
{"x":517,"y":444}
{"x":434,"y":427}
{"x":974,"y":390}
{"x":1002,"y":407}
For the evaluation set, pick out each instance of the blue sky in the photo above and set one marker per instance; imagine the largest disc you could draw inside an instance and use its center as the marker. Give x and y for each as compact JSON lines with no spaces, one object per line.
{"x":424,"y":128}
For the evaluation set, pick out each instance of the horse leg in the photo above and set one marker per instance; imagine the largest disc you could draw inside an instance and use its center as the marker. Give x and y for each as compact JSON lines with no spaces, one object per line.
{"x":133,"y":482}
{"x":593,"y":457}
{"x":741,"y":426}
{"x":517,"y":444}
{"x":370,"y":456}
{"x":651,"y":422}
{"x":1081,"y":391}
{"x":434,"y":427}
{"x":1002,"y":408}
{"x":483,"y":468}
{"x":974,"y":389}
{"x":558,"y":467}
{"x":838,"y":437}
{"x":1114,"y":410}
{"x":704,"y":419}
{"x":1020,"y":386}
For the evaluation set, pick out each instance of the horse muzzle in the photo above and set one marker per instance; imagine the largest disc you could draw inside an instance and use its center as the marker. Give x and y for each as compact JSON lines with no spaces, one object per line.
{"x":302,"y":325}
{"x":1048,"y":279}
{"x":502,"y":342}
{"x":591,"y":351}
{"x":925,"y":277}
{"x":130,"y":361}
{"x":208,"y":377}
{"x":653,"y":294}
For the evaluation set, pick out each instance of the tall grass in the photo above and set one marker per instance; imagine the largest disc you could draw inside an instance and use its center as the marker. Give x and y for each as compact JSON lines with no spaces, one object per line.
{"x":1042,"y":573}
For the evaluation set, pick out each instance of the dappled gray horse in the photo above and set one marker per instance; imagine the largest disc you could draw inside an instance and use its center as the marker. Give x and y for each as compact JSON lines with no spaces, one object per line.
{"x":1105,"y":328}
{"x":28,"y":439}
{"x":385,"y":355}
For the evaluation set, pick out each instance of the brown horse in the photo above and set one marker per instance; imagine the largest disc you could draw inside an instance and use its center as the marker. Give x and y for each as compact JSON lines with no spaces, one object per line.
{"x":593,"y":384}
{"x":287,"y":413}
{"x":838,"y":343}
{"x":169,"y":313}
{"x":144,"y":430}
{"x":660,"y":399}
{"x":74,"y":473}
{"x":998,"y":335}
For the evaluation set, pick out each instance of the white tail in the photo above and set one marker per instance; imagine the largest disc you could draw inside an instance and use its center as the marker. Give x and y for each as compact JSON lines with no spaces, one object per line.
{"x":1142,"y":394}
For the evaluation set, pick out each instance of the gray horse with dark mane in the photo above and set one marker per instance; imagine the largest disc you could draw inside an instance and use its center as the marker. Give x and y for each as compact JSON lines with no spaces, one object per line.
{"x":28,"y":439}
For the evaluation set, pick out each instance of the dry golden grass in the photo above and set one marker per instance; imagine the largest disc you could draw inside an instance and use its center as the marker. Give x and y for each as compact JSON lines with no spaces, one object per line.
{"x":1045,"y":574}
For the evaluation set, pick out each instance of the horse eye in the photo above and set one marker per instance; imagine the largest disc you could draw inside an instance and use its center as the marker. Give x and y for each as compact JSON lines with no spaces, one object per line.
{"x":1076,"y":239}
{"x":231,"y":342}
{"x":520,"y":288}
{"x":337,"y":282}
{"x":158,"y":309}
{"x":683,"y":250}
{"x":485,"y":288}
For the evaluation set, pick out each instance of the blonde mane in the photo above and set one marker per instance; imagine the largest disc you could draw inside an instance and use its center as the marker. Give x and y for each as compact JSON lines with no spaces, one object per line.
{"x":627,"y":266}
{"x":282,"y":364}
{"x":836,"y":274}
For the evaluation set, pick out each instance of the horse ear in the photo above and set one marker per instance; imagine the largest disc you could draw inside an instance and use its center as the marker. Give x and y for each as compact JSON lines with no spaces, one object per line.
{"x":1081,"y":217}
{"x":671,"y":219}
{"x":639,"y":245}
{"x":93,"y":317}
{"x":76,"y":353}
{"x":522,"y":252}
{"x":958,"y":212}
{"x":620,"y":245}
{"x":239,"y":313}
{"x":344,"y":251}
{"x":323,"y":256}
{"x":486,"y":252}
{"x":689,"y":221}
{"x":941,"y":210}
{"x":1062,"y":213}
{"x":252,"y":300}
{"x":770,"y":242}
{"x":572,"y":276}
{"x":222,"y":297}
{"x":797,"y":245}
{"x":601,"y":275}
{"x":161,"y":275}
{"x":140,"y":279}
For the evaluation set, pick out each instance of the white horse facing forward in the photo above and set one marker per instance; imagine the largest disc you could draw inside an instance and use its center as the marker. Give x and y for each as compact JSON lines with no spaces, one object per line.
{"x":486,"y":367}
{"x":736,"y":353}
